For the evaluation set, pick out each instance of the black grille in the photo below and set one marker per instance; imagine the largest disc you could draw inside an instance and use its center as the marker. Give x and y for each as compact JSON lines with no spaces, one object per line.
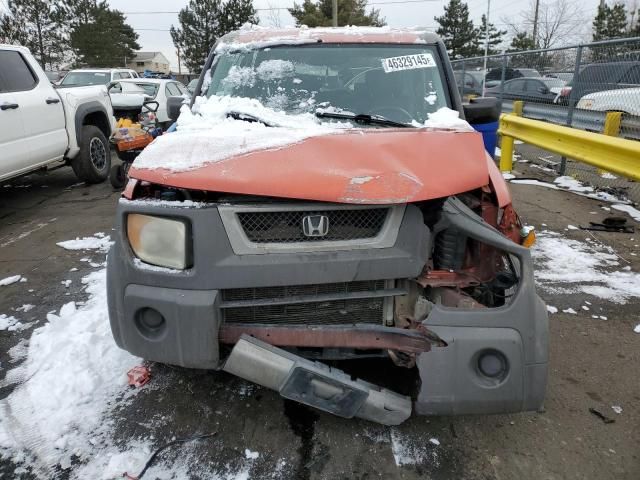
{"x":332,"y":312}
{"x":286,"y":227}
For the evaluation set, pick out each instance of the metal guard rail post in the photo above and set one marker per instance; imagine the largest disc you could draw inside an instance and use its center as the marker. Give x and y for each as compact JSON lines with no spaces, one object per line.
{"x":608,"y":153}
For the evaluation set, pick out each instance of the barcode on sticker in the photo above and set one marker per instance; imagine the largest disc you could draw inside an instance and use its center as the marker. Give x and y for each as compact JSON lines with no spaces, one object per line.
{"x":408,"y":62}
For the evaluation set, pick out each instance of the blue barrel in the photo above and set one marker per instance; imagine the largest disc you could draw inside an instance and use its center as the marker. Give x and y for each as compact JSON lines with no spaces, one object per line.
{"x":489,"y":133}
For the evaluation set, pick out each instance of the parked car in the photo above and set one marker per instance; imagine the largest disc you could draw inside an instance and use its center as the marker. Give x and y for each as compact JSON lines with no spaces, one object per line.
{"x":472,"y":83}
{"x":494,"y":76}
{"x":41,"y":126}
{"x":323,"y":200}
{"x":96,"y":76}
{"x":598,"y":77}
{"x":540,"y":90}
{"x":565,"y":76}
{"x":155,"y":89}
{"x":625,"y":100}
{"x":191,"y":86}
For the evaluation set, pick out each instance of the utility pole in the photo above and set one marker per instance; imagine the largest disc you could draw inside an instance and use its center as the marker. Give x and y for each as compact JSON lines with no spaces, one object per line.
{"x":334,"y":11}
{"x":535,"y":24}
{"x":178,"y":54}
{"x":486,"y":48}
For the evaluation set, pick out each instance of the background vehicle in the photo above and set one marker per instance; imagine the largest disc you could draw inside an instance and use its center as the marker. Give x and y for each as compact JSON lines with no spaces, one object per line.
{"x":566,"y":76}
{"x":191,"y":86}
{"x":155,"y":89}
{"x":602,"y":76}
{"x":42,"y":126}
{"x":625,"y":100}
{"x":542,"y":90}
{"x":472,"y":83}
{"x":96,"y":76}
{"x":494,"y":76}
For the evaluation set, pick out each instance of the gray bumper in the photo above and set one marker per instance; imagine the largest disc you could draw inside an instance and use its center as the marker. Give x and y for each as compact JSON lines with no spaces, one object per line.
{"x":451,"y":382}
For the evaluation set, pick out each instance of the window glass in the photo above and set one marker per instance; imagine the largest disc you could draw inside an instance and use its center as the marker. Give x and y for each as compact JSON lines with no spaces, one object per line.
{"x":78,"y":79}
{"x":150,"y":89}
{"x":532,"y":86}
{"x":16,"y":74}
{"x":172,"y":90}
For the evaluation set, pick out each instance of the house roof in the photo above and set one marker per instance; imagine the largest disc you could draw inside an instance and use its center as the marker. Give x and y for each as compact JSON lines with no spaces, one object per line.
{"x":145,"y":56}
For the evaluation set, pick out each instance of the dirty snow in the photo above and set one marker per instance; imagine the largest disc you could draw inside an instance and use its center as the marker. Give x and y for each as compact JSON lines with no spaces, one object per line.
{"x":633,"y":212}
{"x":10,"y":323}
{"x":565,"y":265}
{"x":10,"y":280}
{"x":508,"y":176}
{"x":410,"y":451}
{"x":250,"y":455}
{"x":569,"y":310}
{"x":207,"y":135}
{"x":570,"y":184}
{"x":552,"y":309}
{"x":99,"y":242}
{"x":25,"y":308}
{"x":636,"y":329}
{"x":617,"y":409}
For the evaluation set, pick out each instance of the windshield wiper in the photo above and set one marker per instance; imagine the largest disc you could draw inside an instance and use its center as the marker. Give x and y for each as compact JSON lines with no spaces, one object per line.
{"x":248,"y":117}
{"x":363,"y":118}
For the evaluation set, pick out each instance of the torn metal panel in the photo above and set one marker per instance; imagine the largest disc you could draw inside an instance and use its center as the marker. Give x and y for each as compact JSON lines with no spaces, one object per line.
{"x":315,"y":384}
{"x":352,"y":336}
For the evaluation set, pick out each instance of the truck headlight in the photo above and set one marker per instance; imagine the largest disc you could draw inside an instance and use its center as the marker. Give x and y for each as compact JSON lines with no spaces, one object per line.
{"x":585,"y":104}
{"x":158,"y":240}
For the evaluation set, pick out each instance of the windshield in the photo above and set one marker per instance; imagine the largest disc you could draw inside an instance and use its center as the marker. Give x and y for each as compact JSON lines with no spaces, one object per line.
{"x":150,"y":89}
{"x":553,"y":82}
{"x":86,"y":78}
{"x":400,"y":82}
{"x":529,"y":72}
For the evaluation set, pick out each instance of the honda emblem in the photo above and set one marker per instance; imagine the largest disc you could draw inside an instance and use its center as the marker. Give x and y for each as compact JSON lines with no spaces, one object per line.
{"x":315,"y":225}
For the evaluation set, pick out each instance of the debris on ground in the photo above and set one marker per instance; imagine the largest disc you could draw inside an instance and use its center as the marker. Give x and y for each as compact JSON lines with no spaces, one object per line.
{"x":601,"y":416}
{"x":139,"y":376}
{"x":617,"y":409}
{"x":610,"y":224}
{"x":10,"y":280}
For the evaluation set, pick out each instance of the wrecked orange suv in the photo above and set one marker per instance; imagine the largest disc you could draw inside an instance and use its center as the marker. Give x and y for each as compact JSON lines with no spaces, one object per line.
{"x":323,"y":199}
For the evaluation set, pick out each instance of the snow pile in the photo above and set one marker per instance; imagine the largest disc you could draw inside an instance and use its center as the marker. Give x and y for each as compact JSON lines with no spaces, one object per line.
{"x":98,"y":242}
{"x":73,"y":371}
{"x":270,"y":70}
{"x":408,"y":451}
{"x":566,"y":265}
{"x":9,"y":280}
{"x":633,"y":212}
{"x":9,"y":323}
{"x":208,"y":135}
{"x":445,"y":118}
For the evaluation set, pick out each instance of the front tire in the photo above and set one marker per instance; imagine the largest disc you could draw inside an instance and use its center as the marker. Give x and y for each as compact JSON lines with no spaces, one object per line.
{"x":118,"y":176}
{"x":93,"y":162}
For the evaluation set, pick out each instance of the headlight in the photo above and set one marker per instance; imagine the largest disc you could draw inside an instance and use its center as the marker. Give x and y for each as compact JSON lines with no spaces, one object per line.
{"x":585,"y":104}
{"x":158,"y":240}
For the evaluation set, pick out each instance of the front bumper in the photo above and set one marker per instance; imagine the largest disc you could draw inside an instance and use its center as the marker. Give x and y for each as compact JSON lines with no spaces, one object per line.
{"x":451,"y":382}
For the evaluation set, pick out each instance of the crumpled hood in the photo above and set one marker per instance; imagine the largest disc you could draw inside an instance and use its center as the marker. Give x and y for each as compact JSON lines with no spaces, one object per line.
{"x":366,"y":166}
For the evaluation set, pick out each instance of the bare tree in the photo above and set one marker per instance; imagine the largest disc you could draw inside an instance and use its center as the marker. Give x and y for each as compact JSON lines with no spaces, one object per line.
{"x":559,"y":22}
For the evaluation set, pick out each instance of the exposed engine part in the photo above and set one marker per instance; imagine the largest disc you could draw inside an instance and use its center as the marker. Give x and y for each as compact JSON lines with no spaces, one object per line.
{"x":449,"y":249}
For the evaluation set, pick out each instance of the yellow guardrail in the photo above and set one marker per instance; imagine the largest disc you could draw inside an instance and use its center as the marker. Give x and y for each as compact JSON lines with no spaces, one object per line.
{"x":602,"y":150}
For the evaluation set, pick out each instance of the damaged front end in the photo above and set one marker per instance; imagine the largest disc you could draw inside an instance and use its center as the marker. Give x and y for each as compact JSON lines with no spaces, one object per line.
{"x":440,"y":287}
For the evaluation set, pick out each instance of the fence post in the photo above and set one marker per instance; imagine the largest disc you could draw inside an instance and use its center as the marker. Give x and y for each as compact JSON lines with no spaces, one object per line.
{"x":506,"y":143}
{"x":572,"y":103}
{"x":503,"y":74}
{"x":463,"y":80}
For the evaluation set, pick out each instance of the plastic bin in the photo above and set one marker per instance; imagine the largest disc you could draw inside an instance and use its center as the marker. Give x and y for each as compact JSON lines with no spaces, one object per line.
{"x":489,"y":133}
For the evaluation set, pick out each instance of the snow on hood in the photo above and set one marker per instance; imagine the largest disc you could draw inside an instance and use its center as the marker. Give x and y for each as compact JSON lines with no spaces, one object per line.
{"x":206,"y":133}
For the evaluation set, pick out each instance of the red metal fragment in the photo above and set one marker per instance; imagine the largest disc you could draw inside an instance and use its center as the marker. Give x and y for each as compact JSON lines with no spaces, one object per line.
{"x":139,"y":376}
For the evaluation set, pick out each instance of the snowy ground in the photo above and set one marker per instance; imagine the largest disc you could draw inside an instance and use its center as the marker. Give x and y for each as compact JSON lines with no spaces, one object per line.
{"x":66,"y":411}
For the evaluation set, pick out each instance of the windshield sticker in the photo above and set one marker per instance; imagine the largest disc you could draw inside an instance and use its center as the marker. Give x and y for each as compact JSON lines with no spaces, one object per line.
{"x":408,"y":62}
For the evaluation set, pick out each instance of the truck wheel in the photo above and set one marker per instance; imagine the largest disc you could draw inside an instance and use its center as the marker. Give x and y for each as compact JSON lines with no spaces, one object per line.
{"x":117,"y":177}
{"x":92,"y":164}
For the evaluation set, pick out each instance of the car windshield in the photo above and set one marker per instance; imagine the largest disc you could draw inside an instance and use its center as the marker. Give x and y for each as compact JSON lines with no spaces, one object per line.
{"x":529,"y":72}
{"x":150,"y":89}
{"x":553,"y":82}
{"x":399,"y":82}
{"x":86,"y":78}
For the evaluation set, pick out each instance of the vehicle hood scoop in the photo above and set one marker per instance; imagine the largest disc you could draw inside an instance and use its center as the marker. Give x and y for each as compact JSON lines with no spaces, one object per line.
{"x":381,"y":166}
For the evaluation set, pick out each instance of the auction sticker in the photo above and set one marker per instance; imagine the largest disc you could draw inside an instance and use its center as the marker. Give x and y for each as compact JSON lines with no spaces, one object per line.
{"x":408,"y":62}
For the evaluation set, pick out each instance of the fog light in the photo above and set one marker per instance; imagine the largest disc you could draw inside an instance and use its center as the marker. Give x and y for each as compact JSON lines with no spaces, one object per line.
{"x":492,"y":364}
{"x":150,"y":322}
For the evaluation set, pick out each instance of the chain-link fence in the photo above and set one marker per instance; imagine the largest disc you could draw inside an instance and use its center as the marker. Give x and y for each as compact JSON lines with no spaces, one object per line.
{"x":576,"y":86}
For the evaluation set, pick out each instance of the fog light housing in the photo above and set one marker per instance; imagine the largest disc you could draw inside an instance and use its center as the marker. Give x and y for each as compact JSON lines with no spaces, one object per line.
{"x":150,"y":322}
{"x":493,"y":364}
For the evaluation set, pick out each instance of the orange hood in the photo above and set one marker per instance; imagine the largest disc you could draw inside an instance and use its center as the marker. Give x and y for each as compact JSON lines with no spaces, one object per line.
{"x":360,"y":166}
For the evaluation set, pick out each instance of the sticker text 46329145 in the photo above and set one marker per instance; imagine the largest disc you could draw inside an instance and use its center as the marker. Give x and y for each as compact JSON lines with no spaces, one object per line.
{"x":408,"y":62}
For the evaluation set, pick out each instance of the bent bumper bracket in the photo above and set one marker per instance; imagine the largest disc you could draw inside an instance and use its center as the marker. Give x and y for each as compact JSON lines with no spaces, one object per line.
{"x":315,"y":384}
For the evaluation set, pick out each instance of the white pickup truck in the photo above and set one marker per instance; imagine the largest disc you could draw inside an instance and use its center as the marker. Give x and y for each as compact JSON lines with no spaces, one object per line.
{"x":41,"y":126}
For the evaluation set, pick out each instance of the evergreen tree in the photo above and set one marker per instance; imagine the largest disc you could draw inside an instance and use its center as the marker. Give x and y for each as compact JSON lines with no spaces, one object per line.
{"x":202,"y":22}
{"x":37,"y":25}
{"x":105,"y":41}
{"x":610,"y":22}
{"x":522,"y":41}
{"x":496,"y":37}
{"x":457,"y":30}
{"x":350,"y":12}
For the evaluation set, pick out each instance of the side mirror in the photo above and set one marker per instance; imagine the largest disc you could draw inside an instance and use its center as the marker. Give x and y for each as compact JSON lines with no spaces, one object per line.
{"x":482,"y":110}
{"x":173,"y":107}
{"x":543,"y":90}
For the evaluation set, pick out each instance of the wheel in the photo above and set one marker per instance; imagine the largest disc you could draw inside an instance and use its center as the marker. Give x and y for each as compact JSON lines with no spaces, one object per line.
{"x":92,"y":164}
{"x":117,"y":176}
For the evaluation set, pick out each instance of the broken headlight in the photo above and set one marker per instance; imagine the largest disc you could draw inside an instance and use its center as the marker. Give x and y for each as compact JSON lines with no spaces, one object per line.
{"x":158,"y":240}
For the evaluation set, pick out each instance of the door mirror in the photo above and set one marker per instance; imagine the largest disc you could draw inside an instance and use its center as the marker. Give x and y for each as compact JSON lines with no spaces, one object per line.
{"x":482,"y":110}
{"x":173,"y":107}
{"x":543,"y":90}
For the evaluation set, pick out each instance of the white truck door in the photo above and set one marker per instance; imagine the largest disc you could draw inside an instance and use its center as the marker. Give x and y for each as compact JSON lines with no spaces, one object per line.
{"x":42,"y":112}
{"x":14,"y":146}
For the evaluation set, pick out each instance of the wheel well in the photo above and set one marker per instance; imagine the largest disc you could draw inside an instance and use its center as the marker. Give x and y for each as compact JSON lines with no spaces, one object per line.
{"x":99,"y":119}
